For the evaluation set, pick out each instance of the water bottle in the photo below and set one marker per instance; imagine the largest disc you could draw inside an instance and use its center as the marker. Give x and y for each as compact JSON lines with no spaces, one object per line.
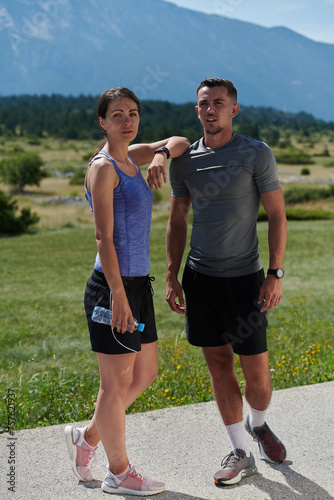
{"x":102,"y":315}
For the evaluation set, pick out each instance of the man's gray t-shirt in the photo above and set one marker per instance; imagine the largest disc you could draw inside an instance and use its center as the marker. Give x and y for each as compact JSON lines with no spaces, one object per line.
{"x":225,"y":186}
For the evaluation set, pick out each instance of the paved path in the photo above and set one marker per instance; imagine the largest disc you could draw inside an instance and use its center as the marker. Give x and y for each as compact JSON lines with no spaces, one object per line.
{"x":184,"y":446}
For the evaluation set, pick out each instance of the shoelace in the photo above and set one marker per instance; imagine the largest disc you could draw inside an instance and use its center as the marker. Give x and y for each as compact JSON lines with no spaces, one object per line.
{"x":230,"y":459}
{"x":267,"y":437}
{"x":91,"y":460}
{"x":136,"y":472}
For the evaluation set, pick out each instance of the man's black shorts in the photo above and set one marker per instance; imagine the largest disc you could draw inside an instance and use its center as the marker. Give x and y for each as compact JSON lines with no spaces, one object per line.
{"x":139,"y":293}
{"x":225,"y":311}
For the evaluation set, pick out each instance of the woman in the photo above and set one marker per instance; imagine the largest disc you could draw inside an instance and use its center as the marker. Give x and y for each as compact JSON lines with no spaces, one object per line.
{"x":121,"y":203}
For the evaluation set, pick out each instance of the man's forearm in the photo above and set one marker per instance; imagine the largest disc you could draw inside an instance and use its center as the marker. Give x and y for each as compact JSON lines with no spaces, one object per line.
{"x":176,"y":237}
{"x":277,"y":235}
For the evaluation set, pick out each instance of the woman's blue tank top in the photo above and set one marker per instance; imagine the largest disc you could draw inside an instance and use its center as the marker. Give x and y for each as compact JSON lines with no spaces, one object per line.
{"x":133,"y":200}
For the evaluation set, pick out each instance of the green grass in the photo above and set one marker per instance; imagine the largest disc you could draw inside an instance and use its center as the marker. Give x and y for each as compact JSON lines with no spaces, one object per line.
{"x":46,"y":357}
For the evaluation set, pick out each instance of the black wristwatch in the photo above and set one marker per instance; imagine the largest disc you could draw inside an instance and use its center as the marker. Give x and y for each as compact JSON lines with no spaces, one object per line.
{"x":279,"y":273}
{"x":163,"y":149}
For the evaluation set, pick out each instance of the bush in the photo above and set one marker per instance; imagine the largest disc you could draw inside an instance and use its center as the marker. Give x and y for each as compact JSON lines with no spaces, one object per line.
{"x":324,"y":152}
{"x":306,"y":194}
{"x":294,"y":158}
{"x":9,"y":222}
{"x":300,"y":214}
{"x":78,"y":177}
{"x":285,"y":143}
{"x":34,"y":140}
{"x":86,"y":157}
{"x":22,"y":169}
{"x":310,"y":214}
{"x":157,"y":196}
{"x":305,"y":171}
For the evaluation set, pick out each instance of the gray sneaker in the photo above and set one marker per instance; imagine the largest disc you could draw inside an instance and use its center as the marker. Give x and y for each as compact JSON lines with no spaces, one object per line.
{"x":235,"y":466}
{"x":271,"y":448}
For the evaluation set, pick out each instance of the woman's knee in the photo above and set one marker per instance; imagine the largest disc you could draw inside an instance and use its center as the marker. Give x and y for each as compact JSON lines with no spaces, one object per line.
{"x":153,"y":376}
{"x":147,"y":377}
{"x":116,"y":372}
{"x":154,"y":371}
{"x":116,"y":385}
{"x":146,"y":366}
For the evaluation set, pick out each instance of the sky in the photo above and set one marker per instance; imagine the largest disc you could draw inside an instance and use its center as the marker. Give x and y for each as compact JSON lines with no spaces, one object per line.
{"x":311,"y":18}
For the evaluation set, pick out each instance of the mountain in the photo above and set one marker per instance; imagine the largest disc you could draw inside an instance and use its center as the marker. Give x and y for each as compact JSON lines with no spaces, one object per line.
{"x":160,"y":51}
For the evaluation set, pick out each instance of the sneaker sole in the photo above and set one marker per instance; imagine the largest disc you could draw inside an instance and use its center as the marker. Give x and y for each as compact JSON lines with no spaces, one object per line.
{"x":72,"y":449}
{"x":127,"y":491}
{"x":243,"y":473}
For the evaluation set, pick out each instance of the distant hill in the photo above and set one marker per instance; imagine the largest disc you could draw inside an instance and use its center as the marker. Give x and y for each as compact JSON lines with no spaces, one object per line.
{"x":159,"y":50}
{"x":75,"y":118}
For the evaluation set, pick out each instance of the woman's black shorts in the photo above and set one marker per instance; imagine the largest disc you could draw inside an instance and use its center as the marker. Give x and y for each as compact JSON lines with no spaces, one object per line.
{"x":225,"y":311}
{"x":139,"y":293}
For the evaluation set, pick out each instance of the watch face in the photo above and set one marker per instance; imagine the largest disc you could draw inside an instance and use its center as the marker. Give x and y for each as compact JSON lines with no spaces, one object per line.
{"x":279,"y":273}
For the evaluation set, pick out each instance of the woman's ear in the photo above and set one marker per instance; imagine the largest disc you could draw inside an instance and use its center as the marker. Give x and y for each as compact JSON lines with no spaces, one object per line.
{"x":102,"y":125}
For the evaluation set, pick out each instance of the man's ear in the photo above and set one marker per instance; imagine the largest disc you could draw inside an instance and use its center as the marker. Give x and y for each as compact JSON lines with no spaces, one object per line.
{"x":235,"y":110}
{"x":196,"y":107}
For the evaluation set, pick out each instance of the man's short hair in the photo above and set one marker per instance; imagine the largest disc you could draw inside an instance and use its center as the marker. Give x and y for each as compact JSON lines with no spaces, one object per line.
{"x":220,"y":82}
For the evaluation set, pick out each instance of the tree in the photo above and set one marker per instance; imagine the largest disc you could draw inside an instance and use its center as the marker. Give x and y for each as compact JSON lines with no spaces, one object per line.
{"x":9,"y":222}
{"x":22,"y":169}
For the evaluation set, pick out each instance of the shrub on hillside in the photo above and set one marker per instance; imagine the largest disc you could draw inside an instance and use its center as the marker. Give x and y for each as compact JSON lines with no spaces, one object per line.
{"x":306,"y":194}
{"x":324,"y":152}
{"x":157,"y":196}
{"x":9,"y":222}
{"x":22,"y":169}
{"x":294,"y":158}
{"x":78,"y":177}
{"x":300,"y":214}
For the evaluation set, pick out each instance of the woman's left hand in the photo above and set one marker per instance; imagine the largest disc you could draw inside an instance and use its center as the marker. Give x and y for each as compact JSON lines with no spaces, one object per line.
{"x":157,"y":171}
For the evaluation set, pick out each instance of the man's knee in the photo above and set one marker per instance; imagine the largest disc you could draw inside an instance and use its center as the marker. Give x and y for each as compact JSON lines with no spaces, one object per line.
{"x":258,"y":381}
{"x":220,"y":360}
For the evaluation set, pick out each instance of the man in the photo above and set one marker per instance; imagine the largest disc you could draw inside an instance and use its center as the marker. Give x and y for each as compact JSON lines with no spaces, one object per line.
{"x":224,"y":176}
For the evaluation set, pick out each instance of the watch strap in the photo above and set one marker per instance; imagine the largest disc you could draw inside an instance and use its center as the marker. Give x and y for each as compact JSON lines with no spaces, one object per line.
{"x":279,"y":273}
{"x":163,"y":149}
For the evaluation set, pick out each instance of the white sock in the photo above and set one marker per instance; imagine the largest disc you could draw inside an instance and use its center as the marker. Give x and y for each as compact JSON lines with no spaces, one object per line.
{"x":82,"y":431}
{"x":257,"y":418}
{"x":238,"y":437}
{"x":82,"y":438}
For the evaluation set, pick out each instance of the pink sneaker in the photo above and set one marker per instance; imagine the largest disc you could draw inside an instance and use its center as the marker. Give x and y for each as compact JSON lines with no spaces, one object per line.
{"x":82,"y":456}
{"x":132,"y":482}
